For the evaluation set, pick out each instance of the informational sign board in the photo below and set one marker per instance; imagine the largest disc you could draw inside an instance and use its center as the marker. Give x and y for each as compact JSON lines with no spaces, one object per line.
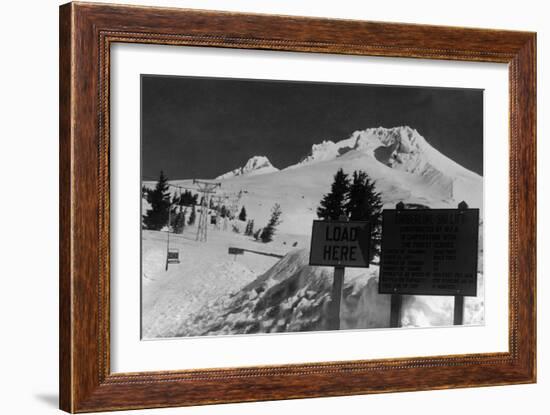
{"x":340,"y":243}
{"x":429,"y":252}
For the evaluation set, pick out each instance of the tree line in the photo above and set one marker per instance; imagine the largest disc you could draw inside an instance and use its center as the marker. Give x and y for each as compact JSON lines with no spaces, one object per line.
{"x":163,"y":208}
{"x":353,"y":197}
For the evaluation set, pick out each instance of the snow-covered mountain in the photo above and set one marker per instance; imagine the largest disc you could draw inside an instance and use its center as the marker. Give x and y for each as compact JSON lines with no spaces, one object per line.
{"x":400,"y":148}
{"x":402,"y":162}
{"x":254,"y":166}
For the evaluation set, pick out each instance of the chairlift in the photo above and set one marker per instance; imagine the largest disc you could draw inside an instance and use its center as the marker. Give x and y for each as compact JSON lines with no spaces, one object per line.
{"x":173,"y":256}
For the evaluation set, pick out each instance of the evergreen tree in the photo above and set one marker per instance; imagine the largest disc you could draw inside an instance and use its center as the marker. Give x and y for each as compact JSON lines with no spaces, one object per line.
{"x":144,"y":192}
{"x":159,"y":199}
{"x":242,"y":215}
{"x":257,"y":234}
{"x":192,"y":216}
{"x":188,"y":198}
{"x":224,"y":212}
{"x":249,"y":230}
{"x":178,"y":220}
{"x":356,"y":207}
{"x":365,"y":203}
{"x":274,"y":221}
{"x":332,"y":206}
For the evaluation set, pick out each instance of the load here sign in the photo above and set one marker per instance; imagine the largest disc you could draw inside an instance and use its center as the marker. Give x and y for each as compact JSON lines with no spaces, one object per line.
{"x":340,"y":243}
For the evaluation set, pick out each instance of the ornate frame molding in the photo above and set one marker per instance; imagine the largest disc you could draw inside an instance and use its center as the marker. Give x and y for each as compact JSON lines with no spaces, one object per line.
{"x":86,"y":34}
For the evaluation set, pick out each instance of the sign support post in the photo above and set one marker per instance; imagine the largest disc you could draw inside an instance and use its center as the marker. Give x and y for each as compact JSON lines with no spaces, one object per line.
{"x":337,"y":284}
{"x":395,"y":310}
{"x":334,"y":311}
{"x":396,"y":301}
{"x":458,"y":314}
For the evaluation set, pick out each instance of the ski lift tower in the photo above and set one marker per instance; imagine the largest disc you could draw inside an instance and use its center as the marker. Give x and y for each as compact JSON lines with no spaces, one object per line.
{"x":207,"y":189}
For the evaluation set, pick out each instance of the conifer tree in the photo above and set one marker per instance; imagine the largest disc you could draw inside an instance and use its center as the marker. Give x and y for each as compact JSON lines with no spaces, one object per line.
{"x":224,"y":212}
{"x":274,"y":221}
{"x":187,"y":198}
{"x":242,"y":215}
{"x":249,"y":230}
{"x":192,"y":216}
{"x":159,"y":198}
{"x":332,"y":206}
{"x":178,"y":220}
{"x":365,"y":203}
{"x":257,"y":234}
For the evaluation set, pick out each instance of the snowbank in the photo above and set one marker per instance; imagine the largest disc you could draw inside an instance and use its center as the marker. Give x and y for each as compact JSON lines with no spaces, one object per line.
{"x":293,"y":296}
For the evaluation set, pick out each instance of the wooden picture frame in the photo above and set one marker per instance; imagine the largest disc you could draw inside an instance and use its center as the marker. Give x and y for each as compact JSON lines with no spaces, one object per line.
{"x":86,"y":33}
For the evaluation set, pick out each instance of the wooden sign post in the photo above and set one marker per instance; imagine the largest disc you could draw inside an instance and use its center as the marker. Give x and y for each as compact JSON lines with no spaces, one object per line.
{"x":336,"y":298}
{"x":429,"y":252}
{"x":396,"y":300}
{"x":458,"y":312}
{"x":396,"y":304}
{"x":339,"y":244}
{"x":458,"y":315}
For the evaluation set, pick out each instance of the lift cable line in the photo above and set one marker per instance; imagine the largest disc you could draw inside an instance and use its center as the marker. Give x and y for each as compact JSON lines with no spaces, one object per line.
{"x":177,"y":186}
{"x":180,"y":187}
{"x":207,"y":189}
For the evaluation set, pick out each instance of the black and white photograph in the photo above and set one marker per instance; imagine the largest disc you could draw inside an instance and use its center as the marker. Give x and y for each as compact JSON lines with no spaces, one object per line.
{"x":275,"y":206}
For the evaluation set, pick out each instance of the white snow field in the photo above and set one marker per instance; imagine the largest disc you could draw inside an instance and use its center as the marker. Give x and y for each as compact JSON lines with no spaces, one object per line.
{"x":206,"y":273}
{"x":211,"y":292}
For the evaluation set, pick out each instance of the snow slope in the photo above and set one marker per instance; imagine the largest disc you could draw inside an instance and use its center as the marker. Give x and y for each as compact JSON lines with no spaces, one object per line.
{"x":205,"y":273}
{"x":294,"y":296}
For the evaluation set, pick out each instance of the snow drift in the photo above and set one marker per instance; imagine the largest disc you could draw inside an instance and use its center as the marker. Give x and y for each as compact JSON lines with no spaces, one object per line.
{"x":294,"y":296}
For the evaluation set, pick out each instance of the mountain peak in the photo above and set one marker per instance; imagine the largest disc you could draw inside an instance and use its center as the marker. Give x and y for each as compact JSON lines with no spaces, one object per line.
{"x":403,"y":139}
{"x":255,"y":165}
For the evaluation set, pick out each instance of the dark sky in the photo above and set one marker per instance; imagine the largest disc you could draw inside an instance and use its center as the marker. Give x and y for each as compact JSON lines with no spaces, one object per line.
{"x":203,"y":127}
